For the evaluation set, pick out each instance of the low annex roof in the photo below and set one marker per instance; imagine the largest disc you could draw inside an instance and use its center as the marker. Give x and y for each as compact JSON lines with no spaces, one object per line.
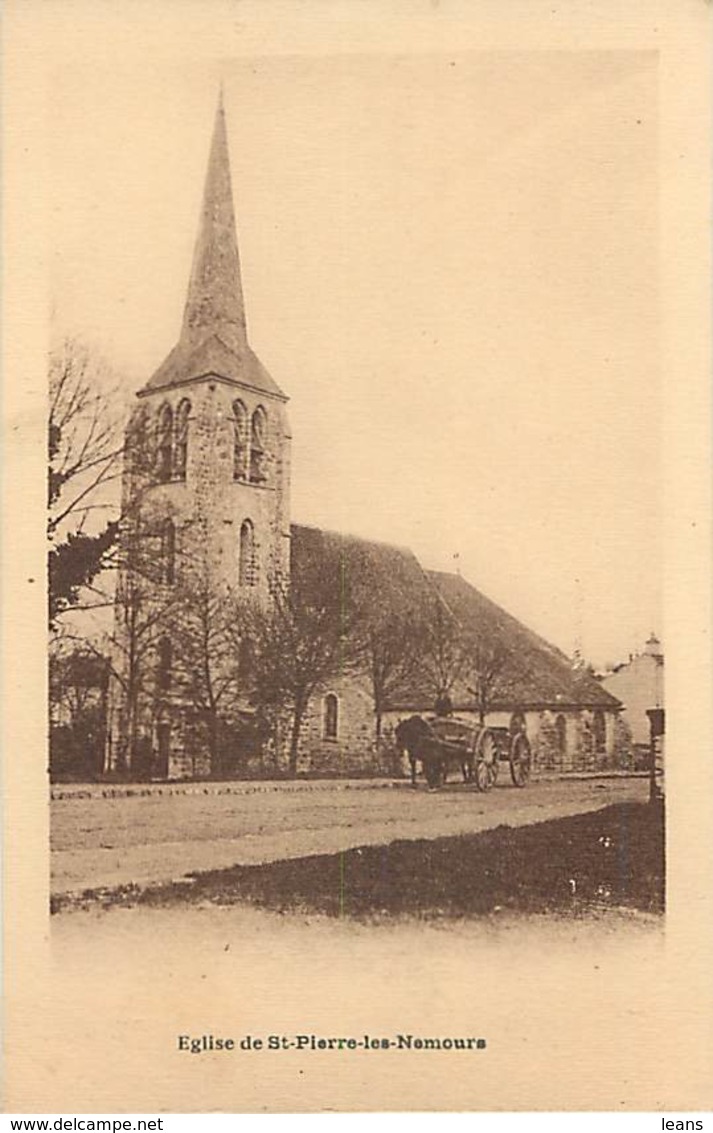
{"x":541,"y":675}
{"x":544,"y":675}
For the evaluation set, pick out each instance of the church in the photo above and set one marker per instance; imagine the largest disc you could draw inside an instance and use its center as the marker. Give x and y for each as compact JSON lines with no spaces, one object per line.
{"x":207,"y":475}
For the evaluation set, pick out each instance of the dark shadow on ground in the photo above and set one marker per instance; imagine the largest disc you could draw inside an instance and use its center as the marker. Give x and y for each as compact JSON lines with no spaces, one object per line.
{"x":608,"y":858}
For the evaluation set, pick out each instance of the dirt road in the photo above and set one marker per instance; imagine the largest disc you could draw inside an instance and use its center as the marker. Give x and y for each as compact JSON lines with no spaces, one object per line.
{"x":105,"y":842}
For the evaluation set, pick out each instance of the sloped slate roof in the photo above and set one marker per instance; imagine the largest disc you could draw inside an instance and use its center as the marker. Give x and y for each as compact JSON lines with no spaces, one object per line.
{"x":543,"y":676}
{"x":384,"y":564}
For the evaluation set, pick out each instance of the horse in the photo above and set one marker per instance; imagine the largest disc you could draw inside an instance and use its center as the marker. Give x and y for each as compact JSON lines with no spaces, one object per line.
{"x":412,"y":736}
{"x":417,"y":739}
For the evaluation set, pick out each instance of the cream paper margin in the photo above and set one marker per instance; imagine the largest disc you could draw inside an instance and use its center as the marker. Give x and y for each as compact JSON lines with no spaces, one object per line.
{"x":103,"y":1040}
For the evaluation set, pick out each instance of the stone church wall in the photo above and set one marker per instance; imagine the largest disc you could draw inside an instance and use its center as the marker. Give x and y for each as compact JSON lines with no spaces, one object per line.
{"x":353,"y":751}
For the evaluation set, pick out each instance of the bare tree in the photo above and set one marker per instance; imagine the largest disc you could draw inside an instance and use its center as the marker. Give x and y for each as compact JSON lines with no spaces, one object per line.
{"x":84,"y":458}
{"x":77,"y":692}
{"x":209,"y":629}
{"x":444,"y":647}
{"x":76,"y":674}
{"x":389,"y":649}
{"x":303,"y":639}
{"x":84,"y":434}
{"x":386,"y":588}
{"x":144,"y":603}
{"x":488,"y":667}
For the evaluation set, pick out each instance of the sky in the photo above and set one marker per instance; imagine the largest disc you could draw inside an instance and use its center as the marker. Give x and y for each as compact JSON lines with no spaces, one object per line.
{"x":450,"y":265}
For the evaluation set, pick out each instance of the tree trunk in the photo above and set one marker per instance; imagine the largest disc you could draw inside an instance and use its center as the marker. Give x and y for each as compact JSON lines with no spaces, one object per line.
{"x":216,"y":763}
{"x":104,"y":714}
{"x":132,"y":706}
{"x":482,"y":708}
{"x":295,"y":739}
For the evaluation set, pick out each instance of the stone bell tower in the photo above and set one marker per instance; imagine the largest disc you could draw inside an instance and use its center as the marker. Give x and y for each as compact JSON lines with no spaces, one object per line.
{"x":228,"y":470}
{"x":213,"y":481}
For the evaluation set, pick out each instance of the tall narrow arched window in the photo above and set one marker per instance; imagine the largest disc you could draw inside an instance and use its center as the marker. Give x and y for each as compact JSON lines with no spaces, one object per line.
{"x":180,"y":450}
{"x":138,"y":446}
{"x":246,"y":560}
{"x":240,"y":441}
{"x":561,"y":728}
{"x":168,"y":553}
{"x":164,"y":443}
{"x":165,"y":663}
{"x":258,"y":442}
{"x":331,"y":716}
{"x":599,"y":727}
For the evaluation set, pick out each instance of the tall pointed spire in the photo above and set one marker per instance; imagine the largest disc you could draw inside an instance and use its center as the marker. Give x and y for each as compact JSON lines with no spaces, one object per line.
{"x":214,"y":338}
{"x":215,"y":293}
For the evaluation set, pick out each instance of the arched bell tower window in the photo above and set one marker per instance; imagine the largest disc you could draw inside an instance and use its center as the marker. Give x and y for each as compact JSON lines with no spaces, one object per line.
{"x":331,"y":716}
{"x":246,"y":560}
{"x":258,"y":441}
{"x":164,"y":443}
{"x":138,"y":438}
{"x":240,"y":441}
{"x":180,"y":452}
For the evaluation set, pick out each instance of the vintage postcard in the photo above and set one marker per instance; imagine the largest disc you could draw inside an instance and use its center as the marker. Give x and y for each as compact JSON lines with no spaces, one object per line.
{"x":357,"y":557}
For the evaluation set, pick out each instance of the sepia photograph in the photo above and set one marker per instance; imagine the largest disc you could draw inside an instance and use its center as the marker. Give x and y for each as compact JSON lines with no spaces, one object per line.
{"x":355,"y":417}
{"x":333,"y":680}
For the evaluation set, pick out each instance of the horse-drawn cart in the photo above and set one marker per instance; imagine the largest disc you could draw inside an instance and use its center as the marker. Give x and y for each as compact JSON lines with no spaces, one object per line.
{"x":440,"y":742}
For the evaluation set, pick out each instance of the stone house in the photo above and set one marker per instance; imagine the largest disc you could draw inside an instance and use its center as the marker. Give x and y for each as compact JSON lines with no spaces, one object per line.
{"x":639,"y":685}
{"x":207,"y":486}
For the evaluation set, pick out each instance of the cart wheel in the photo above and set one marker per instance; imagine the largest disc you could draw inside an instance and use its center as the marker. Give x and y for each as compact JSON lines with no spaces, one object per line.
{"x":487,"y":758}
{"x":482,"y":777}
{"x":520,"y":759}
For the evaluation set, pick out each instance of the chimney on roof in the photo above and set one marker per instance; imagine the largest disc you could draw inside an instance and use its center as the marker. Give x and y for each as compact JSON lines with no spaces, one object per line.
{"x":653,"y":647}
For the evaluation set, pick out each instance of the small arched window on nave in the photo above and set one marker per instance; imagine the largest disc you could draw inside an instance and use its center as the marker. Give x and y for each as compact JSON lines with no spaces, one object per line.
{"x":240,"y":441}
{"x":599,"y":728}
{"x":164,"y":443}
{"x":561,"y":730}
{"x":331,"y":716}
{"x":246,"y":555}
{"x":258,"y":443}
{"x":180,"y":452}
